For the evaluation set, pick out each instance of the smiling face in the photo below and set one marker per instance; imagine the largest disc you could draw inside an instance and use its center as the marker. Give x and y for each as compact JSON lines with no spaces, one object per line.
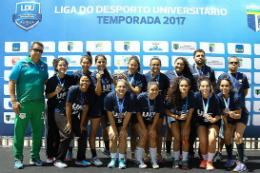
{"x":36,"y":52}
{"x":101,"y":63}
{"x":84,"y":82}
{"x":121,"y":88}
{"x":155,"y":66}
{"x":85,"y":64}
{"x":62,"y":67}
{"x":179,"y":65}
{"x":225,"y":87}
{"x":184,"y":87}
{"x":132,"y":66}
{"x":153,"y":91}
{"x":204,"y":87}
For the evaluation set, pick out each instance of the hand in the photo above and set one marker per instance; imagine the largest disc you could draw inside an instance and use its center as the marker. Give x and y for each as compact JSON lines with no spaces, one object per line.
{"x":15,"y":106}
{"x":152,"y":133}
{"x":183,"y":117}
{"x":115,"y":77}
{"x":227,"y":133}
{"x":185,"y":135}
{"x":82,"y":127}
{"x":210,"y":119}
{"x":68,"y":128}
{"x":144,"y":134}
{"x":98,"y":76}
{"x":58,"y":89}
{"x":123,"y":76}
{"x":113,"y":134}
{"x":231,"y":114}
{"x":237,"y":116}
{"x":124,"y":134}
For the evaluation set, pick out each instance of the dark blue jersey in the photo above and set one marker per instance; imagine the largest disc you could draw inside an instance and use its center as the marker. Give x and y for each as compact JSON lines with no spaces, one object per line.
{"x":52,"y":83}
{"x":77,"y":98}
{"x":235,"y":103}
{"x":214,"y":107}
{"x":163,"y":81}
{"x":111,"y":104}
{"x":136,"y":79}
{"x":240,"y":83}
{"x":182,"y":105}
{"x":75,"y":76}
{"x":205,"y":71}
{"x":106,"y":86}
{"x":143,"y":108}
{"x":171,"y":75}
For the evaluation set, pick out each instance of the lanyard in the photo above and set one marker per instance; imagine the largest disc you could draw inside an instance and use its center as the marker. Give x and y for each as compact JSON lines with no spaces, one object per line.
{"x":60,"y":80}
{"x":120,"y":107}
{"x":128,"y":76}
{"x":158,"y":77}
{"x":231,"y":77}
{"x":205,"y":108}
{"x":176,"y":73}
{"x":227,"y":102}
{"x":198,"y":70}
{"x":186,"y":106}
{"x":149,"y":105}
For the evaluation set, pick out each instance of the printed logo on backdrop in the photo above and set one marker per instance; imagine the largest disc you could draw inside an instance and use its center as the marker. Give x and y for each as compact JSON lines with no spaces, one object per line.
{"x":73,"y":60}
{"x":215,"y":62}
{"x":188,"y":47}
{"x":127,"y":46}
{"x":15,"y":59}
{"x":99,"y":46}
{"x":9,"y":117}
{"x":27,"y":14}
{"x":253,"y":17}
{"x":257,"y":92}
{"x":156,"y":46}
{"x":16,"y":47}
{"x":123,"y":59}
{"x":209,"y":47}
{"x":70,"y":46}
{"x":212,"y":47}
{"x":239,"y":49}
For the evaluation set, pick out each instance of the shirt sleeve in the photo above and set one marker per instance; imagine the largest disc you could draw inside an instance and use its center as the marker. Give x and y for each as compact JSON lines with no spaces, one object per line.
{"x":94,"y":80}
{"x":109,"y":103}
{"x":139,"y":82}
{"x":16,"y":72}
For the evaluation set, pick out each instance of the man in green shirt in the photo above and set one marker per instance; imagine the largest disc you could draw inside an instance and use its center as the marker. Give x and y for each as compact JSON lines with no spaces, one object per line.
{"x":29,"y":75}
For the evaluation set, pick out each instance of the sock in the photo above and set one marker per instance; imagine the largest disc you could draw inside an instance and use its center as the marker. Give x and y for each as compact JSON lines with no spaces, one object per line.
{"x":107,"y":145}
{"x":210,"y":156}
{"x":121,"y":156}
{"x":113,"y":155}
{"x":205,"y":157}
{"x":240,"y":150}
{"x":153,"y":152}
{"x":184,"y":155}
{"x":139,"y":154}
{"x":168,"y":147}
{"x":93,"y":152}
{"x":229,"y":151}
{"x":176,"y":155}
{"x":71,"y":143}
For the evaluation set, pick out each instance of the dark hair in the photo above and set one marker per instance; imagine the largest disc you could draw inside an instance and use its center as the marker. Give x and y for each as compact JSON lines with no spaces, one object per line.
{"x":56,"y":61}
{"x":156,"y":58}
{"x":152,"y":83}
{"x":135,"y":58}
{"x":37,"y":42}
{"x":203,"y":78}
{"x":87,"y":56}
{"x":233,"y":57}
{"x":186,"y":69}
{"x":91,"y":88}
{"x":198,"y":50}
{"x":120,"y":80}
{"x":105,"y":70}
{"x":174,"y":93}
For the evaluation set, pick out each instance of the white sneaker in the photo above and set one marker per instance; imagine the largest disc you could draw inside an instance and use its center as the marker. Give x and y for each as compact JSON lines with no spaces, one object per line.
{"x":95,"y":161}
{"x":50,"y":160}
{"x":155,"y":165}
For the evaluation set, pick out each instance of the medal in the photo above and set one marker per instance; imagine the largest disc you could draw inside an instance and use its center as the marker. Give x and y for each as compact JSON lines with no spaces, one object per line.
{"x":152,"y":113}
{"x":120,"y":115}
{"x":101,"y":72}
{"x":120,"y":107}
{"x":227,"y":110}
{"x":235,"y":89}
{"x":227,"y":102}
{"x":60,"y":84}
{"x":186,"y":105}
{"x":206,"y":107}
{"x":158,"y":77}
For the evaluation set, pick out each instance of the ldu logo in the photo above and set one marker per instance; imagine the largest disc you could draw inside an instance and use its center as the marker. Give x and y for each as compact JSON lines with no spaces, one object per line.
{"x":253,"y":17}
{"x":27,"y":14}
{"x":211,"y":47}
{"x":239,"y":48}
{"x":176,"y":46}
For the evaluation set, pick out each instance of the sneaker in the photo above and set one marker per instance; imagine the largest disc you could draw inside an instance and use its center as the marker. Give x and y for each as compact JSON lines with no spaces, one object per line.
{"x":122,"y":163}
{"x":49,"y":160}
{"x":95,"y":161}
{"x":60,"y":165}
{"x":155,"y":165}
{"x":203,"y":164}
{"x":159,"y":158}
{"x":112,"y":163}
{"x":69,"y":156}
{"x":176,"y":164}
{"x":36,"y":161}
{"x":180,"y":161}
{"x":229,"y":163}
{"x":245,"y":158}
{"x":240,"y":167}
{"x":132,"y":157}
{"x":168,"y":157}
{"x":147,"y":157}
{"x":18,"y":164}
{"x":106,"y":152}
{"x":217,"y":157}
{"x":141,"y":164}
{"x":185,"y":164}
{"x":82,"y":163}
{"x":210,"y":166}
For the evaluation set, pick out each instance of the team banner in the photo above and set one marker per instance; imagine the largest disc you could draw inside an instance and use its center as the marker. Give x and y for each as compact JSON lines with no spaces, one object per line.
{"x":119,"y":29}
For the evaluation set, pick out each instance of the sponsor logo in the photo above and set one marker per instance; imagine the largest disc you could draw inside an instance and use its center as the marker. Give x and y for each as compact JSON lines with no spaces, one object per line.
{"x":46,"y":48}
{"x":10,"y":104}
{"x":16,"y":47}
{"x":15,"y":59}
{"x":240,"y":60}
{"x":253,"y":17}
{"x":214,"y":62}
{"x":257,"y":91}
{"x":155,"y":47}
{"x":239,"y":48}
{"x":176,"y":46}
{"x":183,"y":47}
{"x":42,"y":67}
{"x":212,"y":47}
{"x":127,"y":46}
{"x":70,"y":46}
{"x":68,"y":60}
{"x":7,"y":117}
{"x":27,"y":14}
{"x":99,"y":46}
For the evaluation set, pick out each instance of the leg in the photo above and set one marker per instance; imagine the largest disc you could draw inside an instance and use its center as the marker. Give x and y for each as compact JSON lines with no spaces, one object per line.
{"x":228,"y":145}
{"x":133,"y":140}
{"x":192,"y":138}
{"x":113,"y":143}
{"x":212,"y":136}
{"x":104,"y":132}
{"x":203,"y":138}
{"x":153,"y":148}
{"x":168,"y":141}
{"x":140,"y":146}
{"x":159,"y":130}
{"x":95,"y":122}
{"x":175,"y":130}
{"x":185,"y":147}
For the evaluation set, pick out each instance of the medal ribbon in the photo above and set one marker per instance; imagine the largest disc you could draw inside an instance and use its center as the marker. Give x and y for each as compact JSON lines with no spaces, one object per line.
{"x":233,"y":82}
{"x":186,"y":105}
{"x":227,"y":102}
{"x":176,"y":73}
{"x":60,"y":80}
{"x":199,"y":71}
{"x":128,"y":76}
{"x":205,"y":108}
{"x":120,"y":107}
{"x":149,"y":105}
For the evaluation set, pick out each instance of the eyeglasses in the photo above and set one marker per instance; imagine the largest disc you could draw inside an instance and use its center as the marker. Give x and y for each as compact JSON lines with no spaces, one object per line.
{"x":233,"y":62}
{"x":38,"y":50}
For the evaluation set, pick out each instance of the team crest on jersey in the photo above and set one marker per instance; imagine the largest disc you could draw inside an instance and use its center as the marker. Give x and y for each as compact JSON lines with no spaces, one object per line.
{"x":22,"y":115}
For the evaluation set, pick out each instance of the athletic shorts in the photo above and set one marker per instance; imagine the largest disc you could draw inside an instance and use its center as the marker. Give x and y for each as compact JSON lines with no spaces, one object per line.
{"x":207,"y":124}
{"x":119,"y":122}
{"x":95,"y":112}
{"x":243,"y":119}
{"x":173,"y":120}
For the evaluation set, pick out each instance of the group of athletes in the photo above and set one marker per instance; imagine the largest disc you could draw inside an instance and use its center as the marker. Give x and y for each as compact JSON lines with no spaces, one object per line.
{"x":188,"y":97}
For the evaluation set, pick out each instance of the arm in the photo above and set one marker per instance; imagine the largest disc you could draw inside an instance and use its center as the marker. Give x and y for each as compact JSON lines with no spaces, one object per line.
{"x":245,"y":92}
{"x":45,"y":82}
{"x":15,"y":104}
{"x":126,"y":120}
{"x":170,"y":114}
{"x":136,"y":90}
{"x":83,"y":118}
{"x":54,"y":93}
{"x":236,"y":114}
{"x":98,"y":89}
{"x":187,"y":123}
